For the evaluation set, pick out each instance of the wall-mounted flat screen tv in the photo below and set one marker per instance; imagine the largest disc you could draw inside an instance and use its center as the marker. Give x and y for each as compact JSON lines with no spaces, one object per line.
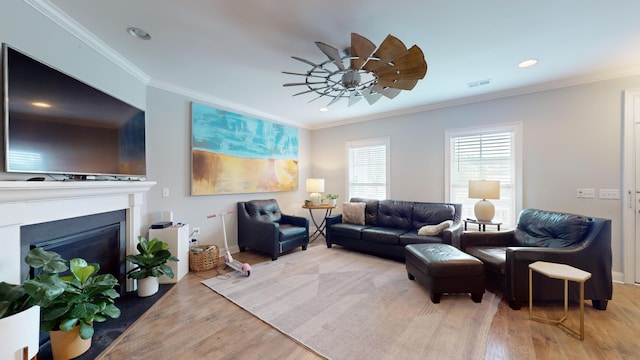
{"x":56,"y":124}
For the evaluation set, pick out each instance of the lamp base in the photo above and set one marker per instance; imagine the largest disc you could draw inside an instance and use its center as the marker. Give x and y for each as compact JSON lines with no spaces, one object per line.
{"x":484,"y":210}
{"x":315,"y":198}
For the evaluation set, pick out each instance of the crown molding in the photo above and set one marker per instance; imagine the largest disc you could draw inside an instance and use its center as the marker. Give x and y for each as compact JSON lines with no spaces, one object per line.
{"x":73,"y":27}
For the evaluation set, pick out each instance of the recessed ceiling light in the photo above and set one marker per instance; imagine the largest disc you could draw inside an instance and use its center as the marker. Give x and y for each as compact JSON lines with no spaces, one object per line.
{"x":138,"y":33}
{"x":41,"y":104}
{"x":527,"y":63}
{"x":324,"y":109}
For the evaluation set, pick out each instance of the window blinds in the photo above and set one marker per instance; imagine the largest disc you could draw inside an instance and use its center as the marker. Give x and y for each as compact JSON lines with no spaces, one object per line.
{"x":368,"y":171}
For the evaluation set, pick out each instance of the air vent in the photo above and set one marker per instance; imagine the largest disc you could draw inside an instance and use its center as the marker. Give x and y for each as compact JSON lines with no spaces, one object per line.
{"x":479,"y":83}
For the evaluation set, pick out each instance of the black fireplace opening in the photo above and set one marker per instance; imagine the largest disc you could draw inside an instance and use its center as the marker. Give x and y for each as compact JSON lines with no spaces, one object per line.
{"x":98,"y":238}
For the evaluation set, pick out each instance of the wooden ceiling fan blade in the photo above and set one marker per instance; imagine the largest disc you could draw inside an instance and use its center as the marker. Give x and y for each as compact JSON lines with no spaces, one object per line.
{"x":354,"y":98}
{"x":371,"y":96}
{"x":386,"y":91}
{"x":390,"y":92}
{"x":408,"y":67}
{"x":332,"y":53}
{"x":390,"y":49}
{"x":398,"y":84}
{"x":361,"y":50}
{"x":396,"y":72}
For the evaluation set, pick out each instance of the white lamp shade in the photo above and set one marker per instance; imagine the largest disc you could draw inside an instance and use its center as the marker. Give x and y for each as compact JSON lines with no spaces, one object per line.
{"x":315,"y":185}
{"x":484,"y":189}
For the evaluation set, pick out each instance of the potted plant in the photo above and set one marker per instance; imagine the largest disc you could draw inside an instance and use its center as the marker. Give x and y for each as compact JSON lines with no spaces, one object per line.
{"x":151,"y":263}
{"x":41,"y":290}
{"x":20,"y":312}
{"x":70,"y":304}
{"x":69,"y":317}
{"x":333,"y":199}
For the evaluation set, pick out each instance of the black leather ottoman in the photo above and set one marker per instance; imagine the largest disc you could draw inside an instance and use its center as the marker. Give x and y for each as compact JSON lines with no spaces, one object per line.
{"x":443,"y":269}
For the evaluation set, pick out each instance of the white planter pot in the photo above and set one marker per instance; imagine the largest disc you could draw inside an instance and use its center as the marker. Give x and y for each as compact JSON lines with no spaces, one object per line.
{"x":19,"y":331}
{"x":147,"y":286}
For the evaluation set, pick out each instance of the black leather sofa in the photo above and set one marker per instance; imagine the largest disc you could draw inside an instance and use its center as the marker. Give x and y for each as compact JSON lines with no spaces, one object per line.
{"x":392,"y":224}
{"x":263,"y":227}
{"x":580,"y":241}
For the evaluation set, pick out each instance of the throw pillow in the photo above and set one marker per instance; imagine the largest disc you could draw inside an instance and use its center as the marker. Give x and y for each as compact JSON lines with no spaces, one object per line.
{"x":353,"y":213}
{"x":434,"y":229}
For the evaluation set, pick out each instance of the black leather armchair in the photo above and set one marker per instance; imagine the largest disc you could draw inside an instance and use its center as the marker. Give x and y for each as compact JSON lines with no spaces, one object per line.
{"x":263,"y":227}
{"x":576,"y":240}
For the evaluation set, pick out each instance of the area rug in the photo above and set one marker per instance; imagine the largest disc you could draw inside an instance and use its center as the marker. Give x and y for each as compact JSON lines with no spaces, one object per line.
{"x":347,"y":305}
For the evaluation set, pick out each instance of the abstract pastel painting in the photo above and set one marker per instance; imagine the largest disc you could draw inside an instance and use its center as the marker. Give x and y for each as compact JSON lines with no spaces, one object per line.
{"x":233,"y":153}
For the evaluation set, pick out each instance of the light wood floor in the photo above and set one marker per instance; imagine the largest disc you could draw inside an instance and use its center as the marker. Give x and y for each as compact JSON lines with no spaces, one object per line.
{"x":191,"y":321}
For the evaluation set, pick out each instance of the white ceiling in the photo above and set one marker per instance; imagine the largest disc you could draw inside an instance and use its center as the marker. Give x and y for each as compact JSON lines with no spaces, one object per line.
{"x":232,"y":53}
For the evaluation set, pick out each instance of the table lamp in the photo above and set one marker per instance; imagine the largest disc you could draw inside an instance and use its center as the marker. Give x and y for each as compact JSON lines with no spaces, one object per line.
{"x":484,"y":189}
{"x":315,"y":187}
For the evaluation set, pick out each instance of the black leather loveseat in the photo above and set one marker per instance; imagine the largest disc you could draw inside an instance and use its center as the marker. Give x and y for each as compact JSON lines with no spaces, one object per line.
{"x":580,"y":241}
{"x":389,"y":225}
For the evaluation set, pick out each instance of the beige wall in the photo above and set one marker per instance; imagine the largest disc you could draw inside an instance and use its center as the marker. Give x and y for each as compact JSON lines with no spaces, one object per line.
{"x":169,"y":163}
{"x":572,"y":138}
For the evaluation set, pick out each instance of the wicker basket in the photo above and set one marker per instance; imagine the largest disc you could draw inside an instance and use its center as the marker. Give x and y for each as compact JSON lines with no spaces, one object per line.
{"x":203,"y":257}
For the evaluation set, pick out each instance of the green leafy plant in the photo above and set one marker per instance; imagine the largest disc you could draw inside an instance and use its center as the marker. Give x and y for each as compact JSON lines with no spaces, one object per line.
{"x":151,"y":259}
{"x":87,"y":298}
{"x":81,"y":298}
{"x":332,"y":196}
{"x":42,"y":290}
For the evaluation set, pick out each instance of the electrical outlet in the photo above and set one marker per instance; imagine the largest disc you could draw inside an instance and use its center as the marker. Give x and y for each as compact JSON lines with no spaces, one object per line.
{"x":165,"y":192}
{"x":196,"y":230}
{"x":612,"y":194}
{"x":586,"y":193}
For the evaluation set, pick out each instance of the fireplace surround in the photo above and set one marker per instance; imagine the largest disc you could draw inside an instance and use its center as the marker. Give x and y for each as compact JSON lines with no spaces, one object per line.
{"x":25,"y":203}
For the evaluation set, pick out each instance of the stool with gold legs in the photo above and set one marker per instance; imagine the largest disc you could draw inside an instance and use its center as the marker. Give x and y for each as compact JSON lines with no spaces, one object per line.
{"x":561,"y":272}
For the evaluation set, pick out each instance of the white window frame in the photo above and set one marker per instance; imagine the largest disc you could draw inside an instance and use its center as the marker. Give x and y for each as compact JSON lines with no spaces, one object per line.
{"x":516,"y":130}
{"x":386,"y":141}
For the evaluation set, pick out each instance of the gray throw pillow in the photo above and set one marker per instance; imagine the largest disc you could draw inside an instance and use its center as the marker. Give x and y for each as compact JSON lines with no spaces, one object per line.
{"x":353,"y":213}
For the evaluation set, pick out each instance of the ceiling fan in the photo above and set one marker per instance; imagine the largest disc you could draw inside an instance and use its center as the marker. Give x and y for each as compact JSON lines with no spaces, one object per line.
{"x":371,"y":72}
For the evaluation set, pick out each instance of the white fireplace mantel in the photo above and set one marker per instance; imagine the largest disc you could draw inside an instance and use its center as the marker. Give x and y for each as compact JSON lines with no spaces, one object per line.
{"x":27,"y":202}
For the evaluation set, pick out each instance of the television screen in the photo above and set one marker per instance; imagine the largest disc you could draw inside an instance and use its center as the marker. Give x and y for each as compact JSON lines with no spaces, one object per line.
{"x":55,"y":124}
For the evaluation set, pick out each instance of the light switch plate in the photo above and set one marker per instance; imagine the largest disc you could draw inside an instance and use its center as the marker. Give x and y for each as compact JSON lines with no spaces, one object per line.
{"x":586,"y":193}
{"x":609,"y":194}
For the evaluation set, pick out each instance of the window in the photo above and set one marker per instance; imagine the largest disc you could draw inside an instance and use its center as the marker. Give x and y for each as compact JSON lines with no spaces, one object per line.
{"x":368,"y":170}
{"x":490,"y":153}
